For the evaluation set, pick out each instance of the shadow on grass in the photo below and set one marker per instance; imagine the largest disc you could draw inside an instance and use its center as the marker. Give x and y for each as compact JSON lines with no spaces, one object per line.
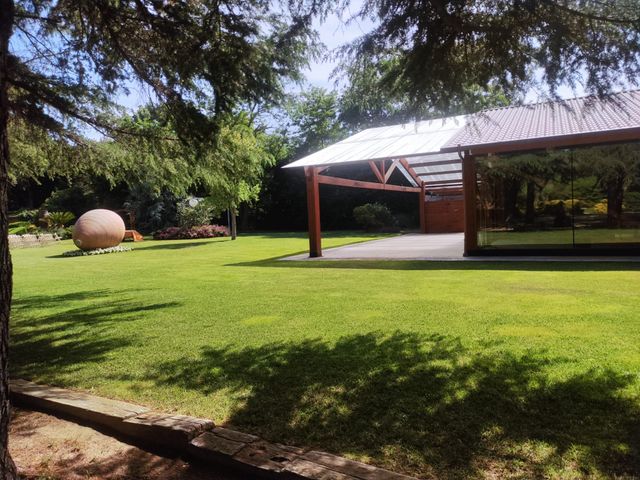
{"x":484,"y":265}
{"x":325,"y":234}
{"x":181,"y":245}
{"x":424,"y":405}
{"x":50,"y":336}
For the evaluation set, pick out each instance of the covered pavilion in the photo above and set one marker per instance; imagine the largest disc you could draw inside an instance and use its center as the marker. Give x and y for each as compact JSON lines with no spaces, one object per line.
{"x":462,"y":169}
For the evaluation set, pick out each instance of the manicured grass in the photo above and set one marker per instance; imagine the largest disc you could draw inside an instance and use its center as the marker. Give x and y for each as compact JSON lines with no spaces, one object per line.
{"x":453,"y":370}
{"x":561,"y":237}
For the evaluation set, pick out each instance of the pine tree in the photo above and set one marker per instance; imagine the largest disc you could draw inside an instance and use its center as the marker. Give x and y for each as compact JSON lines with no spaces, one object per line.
{"x":65,"y":63}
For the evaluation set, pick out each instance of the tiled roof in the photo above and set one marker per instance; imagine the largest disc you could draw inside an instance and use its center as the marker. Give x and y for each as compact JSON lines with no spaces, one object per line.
{"x":549,"y":120}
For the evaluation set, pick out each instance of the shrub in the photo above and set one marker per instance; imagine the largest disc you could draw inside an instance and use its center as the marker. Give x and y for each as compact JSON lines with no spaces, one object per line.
{"x":194,"y":212}
{"x":76,"y":199}
{"x":201,"y":231}
{"x":632,"y":201}
{"x":22,"y":228}
{"x":575,"y":206}
{"x":600,"y":208}
{"x":373,"y":216}
{"x":58,"y":220}
{"x":152,"y":211}
{"x":25,"y":215}
{"x":64,"y":233}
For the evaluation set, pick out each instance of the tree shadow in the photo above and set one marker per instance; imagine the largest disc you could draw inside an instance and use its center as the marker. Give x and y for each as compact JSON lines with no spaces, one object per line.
{"x":64,"y":337}
{"x":48,"y":447}
{"x":425,"y":406}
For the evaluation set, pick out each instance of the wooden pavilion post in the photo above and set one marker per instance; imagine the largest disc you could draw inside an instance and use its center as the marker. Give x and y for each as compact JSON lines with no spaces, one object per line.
{"x":313,"y":208}
{"x":422,"y":209}
{"x":469,"y":185}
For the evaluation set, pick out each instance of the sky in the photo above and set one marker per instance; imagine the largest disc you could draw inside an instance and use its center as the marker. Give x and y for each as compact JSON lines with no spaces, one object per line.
{"x":335,"y":32}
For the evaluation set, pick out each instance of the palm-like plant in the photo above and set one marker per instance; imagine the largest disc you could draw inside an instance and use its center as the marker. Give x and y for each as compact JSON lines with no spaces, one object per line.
{"x":59,"y":220}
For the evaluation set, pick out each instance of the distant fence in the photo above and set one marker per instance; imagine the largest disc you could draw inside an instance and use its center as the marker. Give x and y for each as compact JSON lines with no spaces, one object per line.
{"x":29,"y":240}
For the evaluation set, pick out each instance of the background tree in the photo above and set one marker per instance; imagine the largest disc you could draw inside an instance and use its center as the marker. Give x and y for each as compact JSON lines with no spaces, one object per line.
{"x":368,"y":100}
{"x":35,"y":154}
{"x":232,"y":172}
{"x":609,"y":172}
{"x":63,"y":64}
{"x":311,"y":121}
{"x":441,"y":47}
{"x":314,"y":121}
{"x":513,"y":183}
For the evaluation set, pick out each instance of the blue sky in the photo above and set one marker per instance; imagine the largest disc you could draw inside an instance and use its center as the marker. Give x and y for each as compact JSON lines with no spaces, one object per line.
{"x":335,"y":32}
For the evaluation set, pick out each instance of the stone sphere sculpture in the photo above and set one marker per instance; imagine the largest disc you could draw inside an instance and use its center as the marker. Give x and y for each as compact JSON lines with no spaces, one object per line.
{"x":98,"y":229}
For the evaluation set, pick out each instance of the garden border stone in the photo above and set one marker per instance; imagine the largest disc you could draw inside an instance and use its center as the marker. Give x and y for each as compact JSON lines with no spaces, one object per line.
{"x":197,"y":438}
{"x":79,"y":405}
{"x":165,"y":430}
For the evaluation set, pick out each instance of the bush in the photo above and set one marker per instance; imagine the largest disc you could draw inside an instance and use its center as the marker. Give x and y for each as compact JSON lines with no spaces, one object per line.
{"x":152,"y":211}
{"x":600,"y":208}
{"x":22,"y":228}
{"x":632,"y":201}
{"x":76,"y":199}
{"x":25,"y":215}
{"x":575,"y":206}
{"x":59,"y":220}
{"x":64,"y":233}
{"x":194,"y":212}
{"x":201,"y":231}
{"x":374,"y":216}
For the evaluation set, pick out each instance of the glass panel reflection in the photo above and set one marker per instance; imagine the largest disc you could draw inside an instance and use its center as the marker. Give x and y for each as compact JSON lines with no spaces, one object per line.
{"x":607,"y":187}
{"x":525,"y":201}
{"x":587,"y":197}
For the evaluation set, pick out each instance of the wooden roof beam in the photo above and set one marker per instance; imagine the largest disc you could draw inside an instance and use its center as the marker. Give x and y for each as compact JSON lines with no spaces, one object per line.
{"x":345,"y":182}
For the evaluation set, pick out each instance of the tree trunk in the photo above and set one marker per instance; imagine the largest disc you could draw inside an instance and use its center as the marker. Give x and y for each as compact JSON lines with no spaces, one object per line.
{"x":234,"y":226}
{"x":530,"y":213}
{"x":7,"y":467}
{"x":512,"y":189}
{"x":615,"y":198}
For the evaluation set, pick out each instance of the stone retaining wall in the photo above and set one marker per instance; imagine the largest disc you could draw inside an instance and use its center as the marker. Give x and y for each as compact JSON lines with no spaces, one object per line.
{"x":30,"y":240}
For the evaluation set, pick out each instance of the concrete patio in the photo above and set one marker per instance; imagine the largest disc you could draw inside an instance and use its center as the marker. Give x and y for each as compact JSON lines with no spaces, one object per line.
{"x":446,"y":246}
{"x":435,"y":247}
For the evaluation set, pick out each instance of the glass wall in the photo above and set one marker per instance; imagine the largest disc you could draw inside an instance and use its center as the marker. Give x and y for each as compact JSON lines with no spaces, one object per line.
{"x":580,"y":198}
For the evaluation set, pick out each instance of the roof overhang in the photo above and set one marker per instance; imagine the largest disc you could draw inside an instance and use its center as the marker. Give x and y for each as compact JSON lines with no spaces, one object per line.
{"x":431,"y":151}
{"x":542,"y":143}
{"x":387,"y":143}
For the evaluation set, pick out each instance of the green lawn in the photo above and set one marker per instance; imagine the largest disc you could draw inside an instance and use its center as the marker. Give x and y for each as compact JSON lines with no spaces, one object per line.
{"x":451,"y":370}
{"x":560,"y":237}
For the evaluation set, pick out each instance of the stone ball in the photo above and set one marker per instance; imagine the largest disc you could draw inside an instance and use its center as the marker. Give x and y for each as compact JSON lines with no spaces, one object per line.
{"x":98,"y":229}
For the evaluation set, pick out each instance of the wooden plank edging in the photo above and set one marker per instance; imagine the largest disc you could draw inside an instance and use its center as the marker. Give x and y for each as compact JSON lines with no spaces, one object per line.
{"x":196,"y":438}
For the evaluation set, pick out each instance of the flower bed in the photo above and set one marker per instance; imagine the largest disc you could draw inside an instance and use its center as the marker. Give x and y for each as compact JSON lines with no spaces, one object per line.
{"x":96,"y":251}
{"x":202,"y":231}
